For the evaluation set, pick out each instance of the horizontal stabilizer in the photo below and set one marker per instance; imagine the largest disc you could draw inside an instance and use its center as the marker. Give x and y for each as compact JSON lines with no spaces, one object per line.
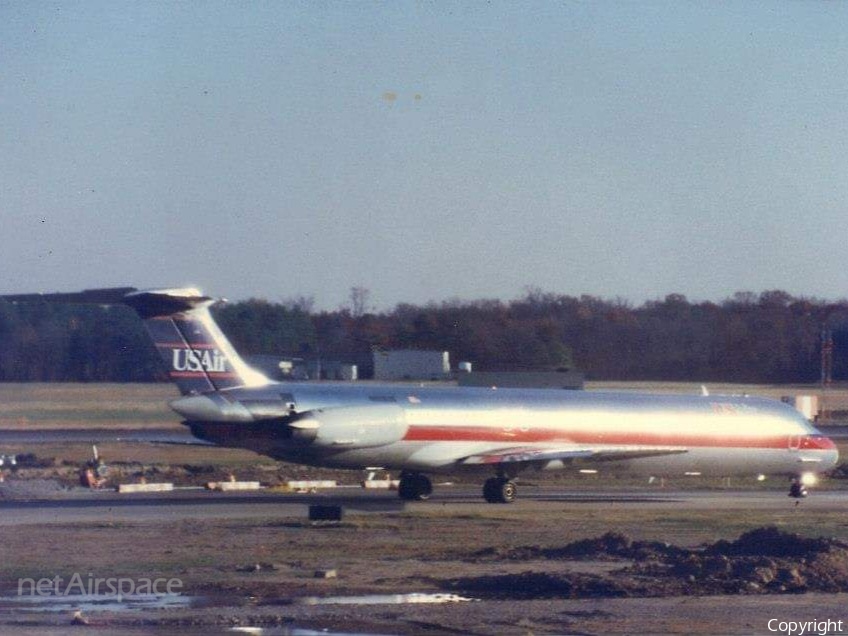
{"x":166,"y":302}
{"x":109,"y":296}
{"x":148,"y":303}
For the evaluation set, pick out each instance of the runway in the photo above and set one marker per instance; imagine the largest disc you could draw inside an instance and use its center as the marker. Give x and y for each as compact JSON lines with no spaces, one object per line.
{"x":78,"y":506}
{"x":195,"y":503}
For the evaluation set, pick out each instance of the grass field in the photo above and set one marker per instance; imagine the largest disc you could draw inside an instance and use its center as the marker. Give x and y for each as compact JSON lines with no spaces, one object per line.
{"x":61,"y":405}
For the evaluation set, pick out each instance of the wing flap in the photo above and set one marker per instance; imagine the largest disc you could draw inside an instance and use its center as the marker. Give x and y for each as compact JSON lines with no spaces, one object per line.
{"x":530,"y":454}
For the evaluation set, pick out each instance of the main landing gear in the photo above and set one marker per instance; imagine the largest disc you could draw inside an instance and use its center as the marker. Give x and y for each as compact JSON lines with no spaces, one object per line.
{"x":418,"y":487}
{"x":414,"y":487}
{"x":499,"y":490}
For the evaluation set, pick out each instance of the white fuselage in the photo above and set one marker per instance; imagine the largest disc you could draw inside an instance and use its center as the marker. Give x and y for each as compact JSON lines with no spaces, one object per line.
{"x":430,"y":429}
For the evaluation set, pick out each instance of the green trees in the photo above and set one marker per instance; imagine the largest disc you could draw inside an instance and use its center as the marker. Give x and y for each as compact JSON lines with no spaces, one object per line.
{"x":61,"y":343}
{"x":257,"y":326}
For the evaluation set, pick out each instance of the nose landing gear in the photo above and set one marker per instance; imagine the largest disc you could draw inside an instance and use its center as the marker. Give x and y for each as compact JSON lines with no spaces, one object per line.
{"x":797,"y":489}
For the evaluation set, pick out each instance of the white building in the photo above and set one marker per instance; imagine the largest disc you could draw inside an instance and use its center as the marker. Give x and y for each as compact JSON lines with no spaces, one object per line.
{"x":408,"y":364}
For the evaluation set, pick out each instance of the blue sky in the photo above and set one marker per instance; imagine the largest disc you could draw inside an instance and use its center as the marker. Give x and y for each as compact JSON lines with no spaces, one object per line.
{"x":425,"y":151}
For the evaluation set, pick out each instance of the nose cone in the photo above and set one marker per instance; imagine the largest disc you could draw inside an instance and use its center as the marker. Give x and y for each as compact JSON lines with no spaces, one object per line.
{"x":822,"y":449}
{"x":831,"y":456}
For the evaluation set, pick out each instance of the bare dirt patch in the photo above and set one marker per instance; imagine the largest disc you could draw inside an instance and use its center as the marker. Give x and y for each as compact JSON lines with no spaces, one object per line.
{"x":761,"y":561}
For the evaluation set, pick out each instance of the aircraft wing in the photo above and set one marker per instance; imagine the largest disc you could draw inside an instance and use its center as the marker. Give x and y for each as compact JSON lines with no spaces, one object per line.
{"x":531,"y":454}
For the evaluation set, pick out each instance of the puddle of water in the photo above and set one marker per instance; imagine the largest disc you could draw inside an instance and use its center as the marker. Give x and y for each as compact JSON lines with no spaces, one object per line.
{"x":293,"y":631}
{"x":367,"y":599}
{"x":383,"y":599}
{"x":88,"y":603}
{"x":93,"y":602}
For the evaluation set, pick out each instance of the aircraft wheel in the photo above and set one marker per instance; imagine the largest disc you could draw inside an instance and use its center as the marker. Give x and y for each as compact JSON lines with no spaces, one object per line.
{"x":415,"y":487}
{"x":490,"y":490}
{"x":499,"y":490}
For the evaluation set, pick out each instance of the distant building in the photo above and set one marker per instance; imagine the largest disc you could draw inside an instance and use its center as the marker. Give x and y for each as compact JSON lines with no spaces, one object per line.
{"x":277,"y":368}
{"x":298,"y":369}
{"x":408,"y":364}
{"x":335,"y":370}
{"x":806,"y":405}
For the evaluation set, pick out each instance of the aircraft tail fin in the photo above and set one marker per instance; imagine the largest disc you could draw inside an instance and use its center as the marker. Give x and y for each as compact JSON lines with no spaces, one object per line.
{"x":197,"y":354}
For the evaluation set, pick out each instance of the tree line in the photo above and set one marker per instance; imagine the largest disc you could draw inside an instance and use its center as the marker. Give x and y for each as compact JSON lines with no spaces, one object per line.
{"x":770,"y":337}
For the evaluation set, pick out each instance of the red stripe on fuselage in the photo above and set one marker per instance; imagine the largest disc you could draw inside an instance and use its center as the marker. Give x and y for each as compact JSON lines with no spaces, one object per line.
{"x":622,"y":438}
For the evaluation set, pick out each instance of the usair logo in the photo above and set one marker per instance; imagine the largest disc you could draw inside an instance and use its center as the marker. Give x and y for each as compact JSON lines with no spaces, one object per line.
{"x":209,"y":361}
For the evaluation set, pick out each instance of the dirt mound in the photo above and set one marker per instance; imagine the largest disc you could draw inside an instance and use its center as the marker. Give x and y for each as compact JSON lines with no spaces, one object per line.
{"x":765,"y":560}
{"x":761,"y":561}
{"x":773,"y":542}
{"x":539,"y":585}
{"x":611,"y":546}
{"x":619,"y":546}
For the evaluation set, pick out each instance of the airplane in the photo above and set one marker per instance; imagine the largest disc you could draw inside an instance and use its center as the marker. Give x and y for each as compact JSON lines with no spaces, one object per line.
{"x":494,"y":432}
